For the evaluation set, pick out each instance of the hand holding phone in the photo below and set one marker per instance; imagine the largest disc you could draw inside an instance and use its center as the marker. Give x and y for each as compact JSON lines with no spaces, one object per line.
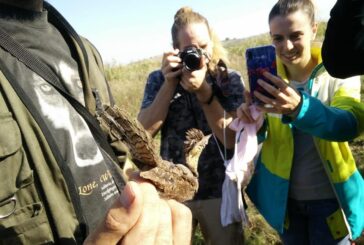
{"x":259,"y":60}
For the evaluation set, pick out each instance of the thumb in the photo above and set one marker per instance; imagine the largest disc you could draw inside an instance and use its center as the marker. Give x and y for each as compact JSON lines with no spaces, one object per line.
{"x":247,"y":97}
{"x":120,"y":218}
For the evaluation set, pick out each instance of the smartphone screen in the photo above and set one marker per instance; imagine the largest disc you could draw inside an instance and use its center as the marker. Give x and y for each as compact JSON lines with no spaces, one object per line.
{"x":258,"y":60}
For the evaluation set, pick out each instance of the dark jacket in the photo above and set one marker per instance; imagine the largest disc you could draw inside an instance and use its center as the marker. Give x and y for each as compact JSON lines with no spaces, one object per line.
{"x":343,"y":47}
{"x":34,"y":193}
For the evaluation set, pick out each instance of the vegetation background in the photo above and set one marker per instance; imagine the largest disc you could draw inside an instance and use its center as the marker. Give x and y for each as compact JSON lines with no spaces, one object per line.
{"x":127,"y":84}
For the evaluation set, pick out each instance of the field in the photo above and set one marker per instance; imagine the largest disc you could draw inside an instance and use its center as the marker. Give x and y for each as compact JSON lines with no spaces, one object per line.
{"x":127,"y":84}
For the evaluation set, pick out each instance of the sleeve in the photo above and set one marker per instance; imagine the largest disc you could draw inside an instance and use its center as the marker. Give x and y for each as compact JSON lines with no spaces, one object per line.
{"x":263,"y":131}
{"x":154,"y":83}
{"x":233,"y":94}
{"x":337,"y":121}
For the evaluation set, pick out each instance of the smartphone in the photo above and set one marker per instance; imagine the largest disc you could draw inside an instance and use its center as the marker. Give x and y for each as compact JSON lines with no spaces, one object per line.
{"x":258,"y":60}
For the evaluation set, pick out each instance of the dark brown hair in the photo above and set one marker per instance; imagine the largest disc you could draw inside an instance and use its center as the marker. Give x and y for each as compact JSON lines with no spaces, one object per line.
{"x":286,"y":7}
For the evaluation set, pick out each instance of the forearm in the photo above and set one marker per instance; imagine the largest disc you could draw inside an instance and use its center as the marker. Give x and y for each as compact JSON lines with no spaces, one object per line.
{"x":154,"y":115}
{"x":214,"y":114}
{"x":325,"y":122}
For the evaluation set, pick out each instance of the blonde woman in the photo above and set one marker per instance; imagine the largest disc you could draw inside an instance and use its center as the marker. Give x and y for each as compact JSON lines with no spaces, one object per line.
{"x":179,"y":97}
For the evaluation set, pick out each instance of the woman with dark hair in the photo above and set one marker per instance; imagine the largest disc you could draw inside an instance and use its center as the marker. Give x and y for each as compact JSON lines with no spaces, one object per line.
{"x":306,"y":184}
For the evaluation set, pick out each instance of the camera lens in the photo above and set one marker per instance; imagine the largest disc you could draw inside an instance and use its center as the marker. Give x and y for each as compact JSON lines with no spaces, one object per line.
{"x":192,"y":61}
{"x":192,"y":58}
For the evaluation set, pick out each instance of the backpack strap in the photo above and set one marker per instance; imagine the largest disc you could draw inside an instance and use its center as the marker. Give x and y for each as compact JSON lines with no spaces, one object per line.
{"x":62,"y":24}
{"x":33,"y":63}
{"x":37,"y":66}
{"x":66,"y":172}
{"x":91,"y":94}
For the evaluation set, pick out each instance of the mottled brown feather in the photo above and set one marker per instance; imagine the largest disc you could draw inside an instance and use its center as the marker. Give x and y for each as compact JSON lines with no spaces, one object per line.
{"x":172,"y":180}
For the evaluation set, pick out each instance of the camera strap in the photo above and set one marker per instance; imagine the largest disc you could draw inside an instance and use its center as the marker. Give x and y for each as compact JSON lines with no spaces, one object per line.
{"x":219,"y":84}
{"x":222,"y":154}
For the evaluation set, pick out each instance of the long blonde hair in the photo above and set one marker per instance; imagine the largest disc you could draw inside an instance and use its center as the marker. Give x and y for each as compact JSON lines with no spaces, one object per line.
{"x":186,"y":16}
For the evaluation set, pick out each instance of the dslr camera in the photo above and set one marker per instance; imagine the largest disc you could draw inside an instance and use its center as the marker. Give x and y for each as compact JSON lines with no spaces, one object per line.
{"x":192,"y":58}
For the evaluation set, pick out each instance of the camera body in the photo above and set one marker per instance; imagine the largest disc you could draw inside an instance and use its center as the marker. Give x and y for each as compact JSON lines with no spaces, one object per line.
{"x":192,"y":58}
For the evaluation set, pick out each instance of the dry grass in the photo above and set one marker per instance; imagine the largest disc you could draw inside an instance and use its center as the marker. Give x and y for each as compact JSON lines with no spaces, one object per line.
{"x":127,"y":84}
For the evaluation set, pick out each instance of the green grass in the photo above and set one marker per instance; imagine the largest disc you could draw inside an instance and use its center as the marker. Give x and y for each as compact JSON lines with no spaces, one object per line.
{"x":127,"y":84}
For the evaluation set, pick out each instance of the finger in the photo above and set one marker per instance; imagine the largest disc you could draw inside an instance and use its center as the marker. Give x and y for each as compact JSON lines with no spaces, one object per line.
{"x":277,"y":81}
{"x":274,"y":91}
{"x":171,"y":61}
{"x":280,"y":83}
{"x":240,"y":112}
{"x":145,"y":229}
{"x":181,"y":223}
{"x":247,"y":97}
{"x":172,"y":66}
{"x":172,"y":71}
{"x":164,"y":234}
{"x":120,"y":218}
{"x":248,"y":115}
{"x":265,"y":99}
{"x":172,"y":74}
{"x":270,"y":106}
{"x":288,"y":98}
{"x":171,"y":54}
{"x":267,"y":109}
{"x":281,"y":96}
{"x":244,"y":113}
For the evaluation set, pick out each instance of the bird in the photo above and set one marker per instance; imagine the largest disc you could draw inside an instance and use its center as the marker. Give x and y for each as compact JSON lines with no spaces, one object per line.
{"x":194,"y":144}
{"x":172,"y":180}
